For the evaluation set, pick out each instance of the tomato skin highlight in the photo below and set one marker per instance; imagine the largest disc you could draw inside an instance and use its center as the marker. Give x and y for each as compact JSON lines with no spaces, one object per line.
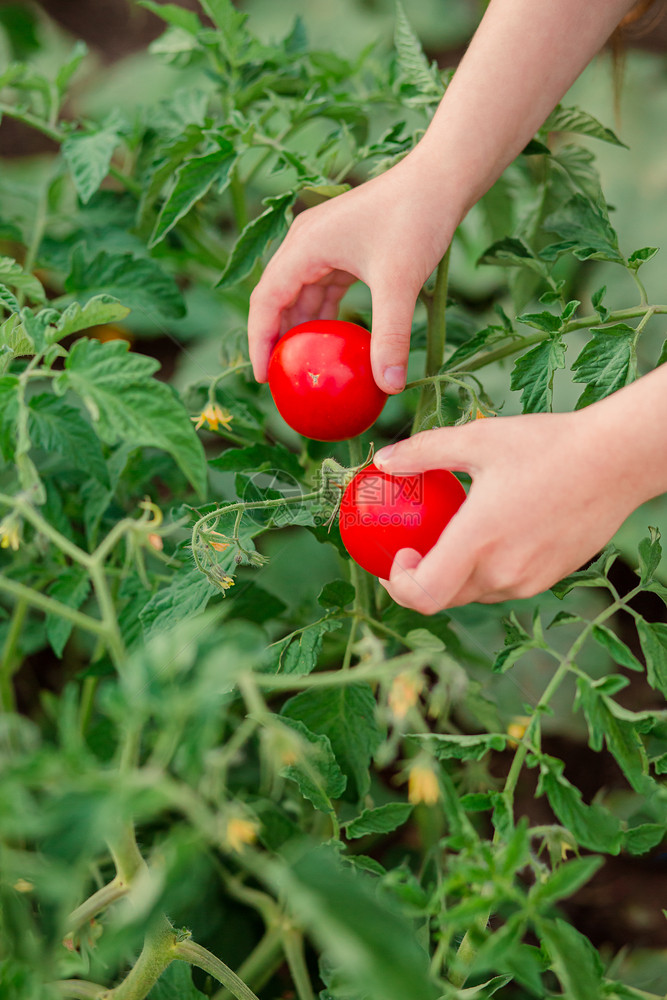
{"x":321,"y":380}
{"x":381,"y":513}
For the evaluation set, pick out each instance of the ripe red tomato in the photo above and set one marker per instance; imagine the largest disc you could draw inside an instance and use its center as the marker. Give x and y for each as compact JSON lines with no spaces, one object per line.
{"x":381,"y":513}
{"x":321,"y":380}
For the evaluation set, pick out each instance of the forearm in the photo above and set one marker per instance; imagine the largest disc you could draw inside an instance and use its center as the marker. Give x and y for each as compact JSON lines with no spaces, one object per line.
{"x":629,"y":432}
{"x":523,"y":58}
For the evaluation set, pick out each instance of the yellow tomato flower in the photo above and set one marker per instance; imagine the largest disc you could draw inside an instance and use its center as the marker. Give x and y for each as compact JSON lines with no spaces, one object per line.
{"x":240,"y":832}
{"x":22,"y":885}
{"x":213,"y":415}
{"x":517,"y":729}
{"x":404,"y":694}
{"x":9,"y":535}
{"x":423,"y":785}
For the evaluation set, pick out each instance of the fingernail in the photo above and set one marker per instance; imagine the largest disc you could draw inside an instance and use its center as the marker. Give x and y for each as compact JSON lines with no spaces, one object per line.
{"x":395,"y":376}
{"x":383,"y":454}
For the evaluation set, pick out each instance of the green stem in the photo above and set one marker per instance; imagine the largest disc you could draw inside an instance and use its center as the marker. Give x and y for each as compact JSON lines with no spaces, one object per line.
{"x":436,"y":335}
{"x":127,"y":857}
{"x":79,"y":989}
{"x":193,"y":953}
{"x":99,"y":901}
{"x":156,"y":954}
{"x":262,"y":962}
{"x":347,"y":658}
{"x":340,"y":678}
{"x":293,"y":945}
{"x":9,"y":656}
{"x":52,"y":607}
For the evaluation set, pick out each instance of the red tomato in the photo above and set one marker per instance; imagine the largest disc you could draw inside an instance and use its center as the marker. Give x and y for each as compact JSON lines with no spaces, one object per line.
{"x":380,"y":514}
{"x":321,"y":380}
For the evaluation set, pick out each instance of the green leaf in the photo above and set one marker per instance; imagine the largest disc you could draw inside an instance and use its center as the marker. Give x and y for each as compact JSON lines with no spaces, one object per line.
{"x":347,"y":716}
{"x":177,"y":16}
{"x":298,"y":653}
{"x":575,"y":120}
{"x":193,"y":180}
{"x":605,"y":721}
{"x":259,"y":457}
{"x":587,"y":225}
{"x":384,"y":819}
{"x":534,"y":374}
{"x":642,"y":838}
{"x":573,"y":958}
{"x":317,"y":774}
{"x":607,"y":363}
{"x":594,"y":576}
{"x":336,"y":594}
{"x":271,"y":225}
{"x":653,"y":640}
{"x":186,"y":596}
{"x":565,"y":880}
{"x":127,"y":404}
{"x":71,"y":588}
{"x":68,"y":69}
{"x":137,"y":281}
{"x":358,"y":924}
{"x":639,"y":257}
{"x":650,"y":556}
{"x":462,"y":747}
{"x":545,"y":321}
{"x":13,"y":275}
{"x":513,"y":252}
{"x":8,"y":300}
{"x":56,"y":427}
{"x":97,"y":311}
{"x":88,"y":157}
{"x":413,"y":66}
{"x":9,"y":410}
{"x":616,"y":648}
{"x":592,"y":826}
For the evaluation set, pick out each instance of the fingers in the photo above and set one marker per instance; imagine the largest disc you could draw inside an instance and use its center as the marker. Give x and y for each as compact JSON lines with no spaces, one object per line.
{"x":390,"y":342}
{"x":441,"y":448}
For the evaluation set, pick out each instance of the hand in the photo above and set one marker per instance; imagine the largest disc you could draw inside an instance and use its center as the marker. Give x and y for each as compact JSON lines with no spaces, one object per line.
{"x":548,"y":492}
{"x":385,"y":233}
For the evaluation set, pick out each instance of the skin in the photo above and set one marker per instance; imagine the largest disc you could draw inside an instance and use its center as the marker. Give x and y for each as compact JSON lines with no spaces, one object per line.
{"x":390,"y":233}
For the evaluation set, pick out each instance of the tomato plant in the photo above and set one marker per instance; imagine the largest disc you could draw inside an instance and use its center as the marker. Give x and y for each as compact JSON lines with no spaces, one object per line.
{"x":321,"y":380}
{"x":381,"y":514}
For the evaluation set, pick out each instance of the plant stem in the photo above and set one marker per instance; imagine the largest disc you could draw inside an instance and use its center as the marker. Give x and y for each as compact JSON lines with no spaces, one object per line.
{"x":156,"y":954}
{"x":99,"y":901}
{"x":9,"y":651}
{"x":51,"y":606}
{"x":436,"y":335}
{"x":261,"y":963}
{"x":79,"y":989}
{"x":193,"y":953}
{"x":293,"y":945}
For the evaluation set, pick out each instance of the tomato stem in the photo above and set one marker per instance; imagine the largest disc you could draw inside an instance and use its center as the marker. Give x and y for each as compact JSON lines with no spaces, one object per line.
{"x":436,"y":336}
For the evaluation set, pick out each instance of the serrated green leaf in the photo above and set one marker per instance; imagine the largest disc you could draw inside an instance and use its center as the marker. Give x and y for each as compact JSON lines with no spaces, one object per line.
{"x":534,"y":374}
{"x":8,"y":300}
{"x":193,"y":180}
{"x":347,"y":717}
{"x":318,"y":776}
{"x":650,"y":556}
{"x":587,"y":225}
{"x":642,"y":838}
{"x":575,"y":120}
{"x":383,"y":819}
{"x":259,"y":457}
{"x":573,"y":958}
{"x":639,"y":257}
{"x":592,"y":826}
{"x":616,"y":648}
{"x":513,"y":252}
{"x":56,"y":427}
{"x":71,"y":588}
{"x":485,"y":338}
{"x":653,"y":640}
{"x":172,"y":14}
{"x":414,"y":68}
{"x":97,"y":311}
{"x":68,"y":69}
{"x":127,"y":404}
{"x":545,"y":321}
{"x":255,"y":239}
{"x":445,"y":746}
{"x":186,"y":596}
{"x":138,"y":282}
{"x":13,"y":275}
{"x":298,"y":654}
{"x":607,"y":363}
{"x":9,"y":409}
{"x":88,"y":156}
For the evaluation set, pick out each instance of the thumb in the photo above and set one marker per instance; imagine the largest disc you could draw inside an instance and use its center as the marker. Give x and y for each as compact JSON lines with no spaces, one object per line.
{"x":441,"y":448}
{"x":390,"y":342}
